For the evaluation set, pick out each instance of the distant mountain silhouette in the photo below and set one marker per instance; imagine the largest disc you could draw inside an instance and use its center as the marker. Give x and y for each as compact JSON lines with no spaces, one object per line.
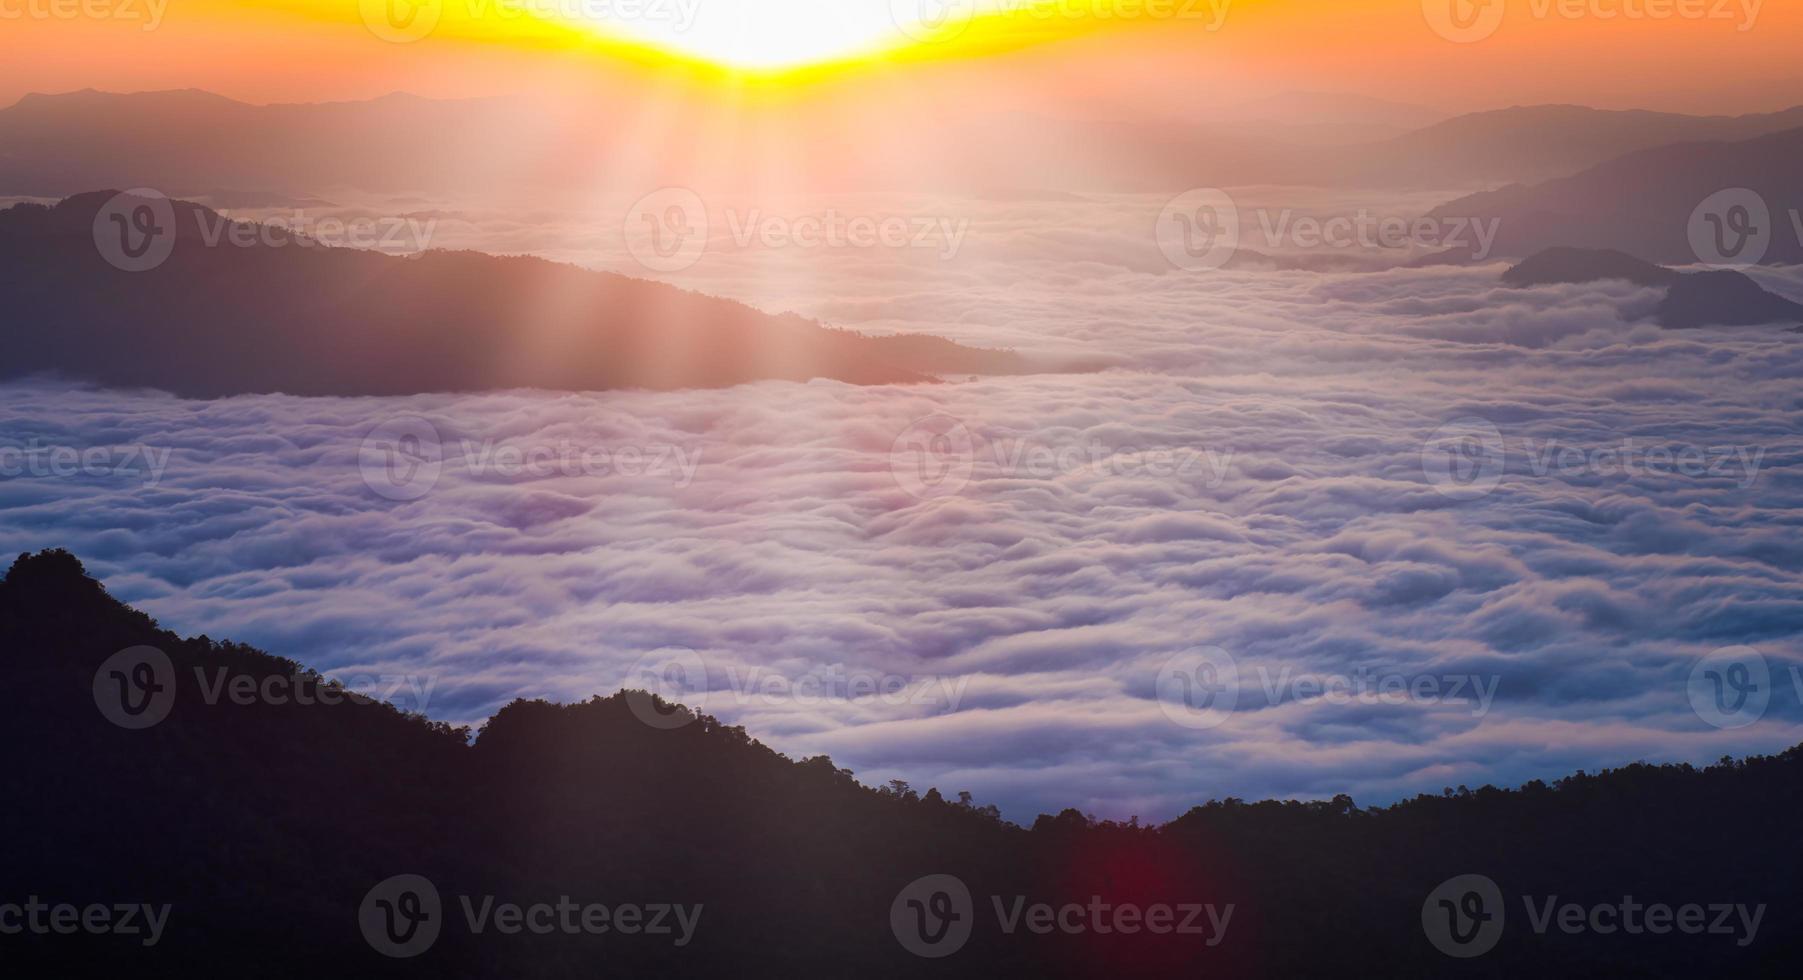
{"x":1297,"y":107}
{"x":1304,"y":118}
{"x":1525,"y":144}
{"x":191,"y":143}
{"x":286,"y":315}
{"x":1696,"y":299}
{"x":1724,"y":298}
{"x":1555,"y":266}
{"x":265,"y":822}
{"x":199,"y":145}
{"x":1643,"y":203}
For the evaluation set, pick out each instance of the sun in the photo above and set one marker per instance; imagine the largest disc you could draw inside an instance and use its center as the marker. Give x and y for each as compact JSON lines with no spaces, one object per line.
{"x":766,"y":35}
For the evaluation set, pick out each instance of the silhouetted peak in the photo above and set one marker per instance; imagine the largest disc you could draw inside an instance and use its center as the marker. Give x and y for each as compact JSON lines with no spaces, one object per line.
{"x":76,"y":216}
{"x":52,"y":578}
{"x":515,"y":721}
{"x":535,"y":725}
{"x":274,"y":318}
{"x":1719,"y":297}
{"x":399,"y":98}
{"x":1575,"y":265}
{"x":90,"y":98}
{"x":53,"y":565}
{"x":1723,"y":297}
{"x":1068,"y":821}
{"x":37,"y":100}
{"x":87,"y":204}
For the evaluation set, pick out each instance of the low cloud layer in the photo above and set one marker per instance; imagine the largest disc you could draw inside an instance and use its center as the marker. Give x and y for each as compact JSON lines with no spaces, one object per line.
{"x":1414,"y":478}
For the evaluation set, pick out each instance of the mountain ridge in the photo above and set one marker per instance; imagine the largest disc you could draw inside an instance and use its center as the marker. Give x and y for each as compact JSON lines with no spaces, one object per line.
{"x":267,"y":817}
{"x":1647,"y":203}
{"x":1719,"y":297}
{"x":195,"y":143}
{"x":283,"y":314}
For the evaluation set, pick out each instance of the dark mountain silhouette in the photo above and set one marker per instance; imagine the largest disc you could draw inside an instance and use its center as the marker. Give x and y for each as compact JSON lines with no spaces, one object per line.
{"x":1308,"y":118}
{"x":1521,"y":144}
{"x":1724,"y":298}
{"x":1642,"y":203}
{"x":1695,"y":299}
{"x":1525,"y":144}
{"x":287,"y":315}
{"x":265,"y":822}
{"x":191,"y":143}
{"x":1298,"y":107}
{"x":199,"y":145}
{"x":1555,"y":266}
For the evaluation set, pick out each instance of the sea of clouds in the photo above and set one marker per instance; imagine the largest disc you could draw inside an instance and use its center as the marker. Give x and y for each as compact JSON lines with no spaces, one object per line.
{"x":1439,"y":532}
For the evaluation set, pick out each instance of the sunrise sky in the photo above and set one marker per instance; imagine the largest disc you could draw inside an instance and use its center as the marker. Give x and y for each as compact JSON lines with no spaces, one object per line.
{"x":1161,"y":58}
{"x":1046,"y":163}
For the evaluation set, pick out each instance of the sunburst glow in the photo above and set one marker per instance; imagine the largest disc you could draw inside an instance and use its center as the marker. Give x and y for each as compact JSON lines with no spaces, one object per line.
{"x":776,"y":34}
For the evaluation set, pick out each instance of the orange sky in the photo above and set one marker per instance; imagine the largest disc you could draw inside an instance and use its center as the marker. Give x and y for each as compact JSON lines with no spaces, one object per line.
{"x":1650,"y":54}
